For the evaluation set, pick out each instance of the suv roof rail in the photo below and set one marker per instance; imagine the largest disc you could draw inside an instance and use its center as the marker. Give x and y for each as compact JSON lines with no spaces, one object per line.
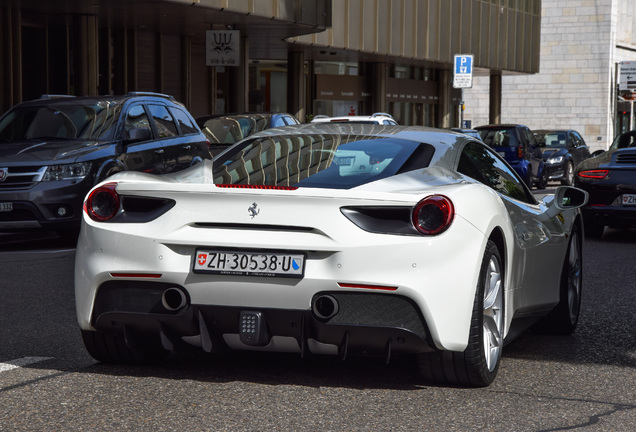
{"x":381,"y":114}
{"x":54,"y":96}
{"x":146,"y":93}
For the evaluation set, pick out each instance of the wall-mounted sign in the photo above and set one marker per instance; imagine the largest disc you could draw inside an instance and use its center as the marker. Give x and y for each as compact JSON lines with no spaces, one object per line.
{"x":463,"y":71}
{"x":342,"y":87}
{"x":627,"y":77}
{"x":223,"y":48}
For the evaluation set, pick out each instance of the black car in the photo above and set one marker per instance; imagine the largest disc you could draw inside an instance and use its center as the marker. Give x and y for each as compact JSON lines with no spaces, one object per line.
{"x":223,"y":130}
{"x":563,"y":150}
{"x":518,"y":146}
{"x":610,"y":179}
{"x":55,"y":149}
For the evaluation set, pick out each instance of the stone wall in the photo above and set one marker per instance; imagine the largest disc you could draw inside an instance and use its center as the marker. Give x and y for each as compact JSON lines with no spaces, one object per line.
{"x":581,"y":41}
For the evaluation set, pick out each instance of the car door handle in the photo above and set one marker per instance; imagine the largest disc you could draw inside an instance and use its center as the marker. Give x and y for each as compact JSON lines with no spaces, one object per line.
{"x":160,"y":151}
{"x":187,"y":147}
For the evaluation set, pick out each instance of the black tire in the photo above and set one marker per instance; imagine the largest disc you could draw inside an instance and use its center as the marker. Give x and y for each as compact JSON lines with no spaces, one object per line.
{"x":478,"y":364}
{"x":112,"y":348}
{"x":563,"y":319}
{"x":568,"y":175}
{"x":543,"y":181}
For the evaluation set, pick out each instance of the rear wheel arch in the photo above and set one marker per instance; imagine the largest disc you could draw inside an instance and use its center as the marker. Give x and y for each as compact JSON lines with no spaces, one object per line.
{"x":478,"y":364}
{"x":497,"y":237}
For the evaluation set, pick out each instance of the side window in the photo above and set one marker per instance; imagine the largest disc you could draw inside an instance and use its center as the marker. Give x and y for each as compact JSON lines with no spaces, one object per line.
{"x":478,"y":162}
{"x":136,"y":119}
{"x":574,"y":141}
{"x":163,"y":121}
{"x":577,"y":139}
{"x":184,"y":121}
{"x":529,"y":137}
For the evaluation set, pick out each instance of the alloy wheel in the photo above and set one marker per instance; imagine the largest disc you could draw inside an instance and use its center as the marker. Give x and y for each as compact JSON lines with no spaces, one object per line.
{"x":493,"y":314}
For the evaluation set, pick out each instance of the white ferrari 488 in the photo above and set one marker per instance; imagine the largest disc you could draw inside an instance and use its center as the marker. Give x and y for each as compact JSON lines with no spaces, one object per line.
{"x":331,"y":239}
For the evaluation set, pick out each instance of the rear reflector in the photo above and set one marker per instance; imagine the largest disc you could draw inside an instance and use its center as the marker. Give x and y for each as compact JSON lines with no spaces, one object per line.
{"x":137,"y":275}
{"x":362,"y":286}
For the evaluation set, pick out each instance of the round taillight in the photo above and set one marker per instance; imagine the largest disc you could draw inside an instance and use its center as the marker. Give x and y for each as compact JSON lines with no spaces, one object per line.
{"x":433,"y":215}
{"x":103,"y":203}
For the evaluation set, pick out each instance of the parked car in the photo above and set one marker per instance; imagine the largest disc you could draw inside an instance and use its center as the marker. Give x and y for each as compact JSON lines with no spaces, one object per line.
{"x":375,"y":118}
{"x":563,"y":150}
{"x":610,"y":179}
{"x":224,"y":130}
{"x":470,"y":132}
{"x":55,"y":149}
{"x":517,"y":144}
{"x":281,"y":244}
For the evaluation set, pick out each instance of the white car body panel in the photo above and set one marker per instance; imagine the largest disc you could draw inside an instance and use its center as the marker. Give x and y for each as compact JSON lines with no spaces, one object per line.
{"x":438,"y":273}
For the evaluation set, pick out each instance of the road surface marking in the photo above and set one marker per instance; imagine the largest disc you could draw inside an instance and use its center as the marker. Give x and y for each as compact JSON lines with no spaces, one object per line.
{"x":13,"y":364}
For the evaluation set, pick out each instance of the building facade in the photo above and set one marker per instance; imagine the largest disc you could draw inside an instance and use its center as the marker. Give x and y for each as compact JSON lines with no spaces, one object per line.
{"x":582,"y":44}
{"x":305,"y":57}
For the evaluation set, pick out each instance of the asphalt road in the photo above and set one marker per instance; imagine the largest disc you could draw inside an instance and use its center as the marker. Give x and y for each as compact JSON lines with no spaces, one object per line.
{"x":583,"y":382}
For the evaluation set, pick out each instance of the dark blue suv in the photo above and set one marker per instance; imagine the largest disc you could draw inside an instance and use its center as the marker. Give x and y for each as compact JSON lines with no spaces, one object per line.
{"x":55,"y":149}
{"x":517,"y":144}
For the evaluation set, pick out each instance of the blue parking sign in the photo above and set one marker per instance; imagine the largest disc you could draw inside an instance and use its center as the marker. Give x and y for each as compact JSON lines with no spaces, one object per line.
{"x":463,"y":77}
{"x":463,"y":64}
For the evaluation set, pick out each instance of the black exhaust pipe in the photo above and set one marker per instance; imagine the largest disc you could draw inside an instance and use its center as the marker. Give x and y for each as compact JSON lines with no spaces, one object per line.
{"x":325,"y":307}
{"x":174,"y":299}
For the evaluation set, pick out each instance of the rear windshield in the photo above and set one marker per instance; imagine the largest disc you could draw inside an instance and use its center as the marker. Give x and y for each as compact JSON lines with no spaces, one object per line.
{"x":628,"y":139}
{"x":552,"y":139}
{"x":499,"y":137}
{"x":321,"y":161}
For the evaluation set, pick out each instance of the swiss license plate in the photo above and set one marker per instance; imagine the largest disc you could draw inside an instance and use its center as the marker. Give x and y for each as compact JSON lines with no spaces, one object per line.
{"x":629,"y":199}
{"x":6,"y":206}
{"x":249,"y":263}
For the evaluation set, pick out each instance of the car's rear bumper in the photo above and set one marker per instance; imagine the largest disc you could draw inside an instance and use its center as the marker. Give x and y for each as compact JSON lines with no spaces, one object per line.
{"x":395,"y":266}
{"x":362,"y":324}
{"x":612,"y":216}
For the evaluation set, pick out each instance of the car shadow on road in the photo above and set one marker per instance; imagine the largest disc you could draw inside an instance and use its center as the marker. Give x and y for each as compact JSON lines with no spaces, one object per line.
{"x":606,"y":332}
{"x":277,"y":369}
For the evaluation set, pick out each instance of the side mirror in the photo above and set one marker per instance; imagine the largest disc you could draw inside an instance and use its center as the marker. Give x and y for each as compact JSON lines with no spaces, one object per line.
{"x":566,"y":197}
{"x":139,"y":134}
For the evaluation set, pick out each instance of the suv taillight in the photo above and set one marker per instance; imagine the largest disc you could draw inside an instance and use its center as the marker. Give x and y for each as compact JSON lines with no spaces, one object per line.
{"x":520,"y":152}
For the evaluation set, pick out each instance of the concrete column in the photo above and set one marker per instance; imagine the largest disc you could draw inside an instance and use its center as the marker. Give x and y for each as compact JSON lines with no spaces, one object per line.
{"x":296,"y":85}
{"x":87,"y":63}
{"x":11,"y":50}
{"x":444,"y":95}
{"x":239,"y":94}
{"x":379,"y":87}
{"x":494,"y":109}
